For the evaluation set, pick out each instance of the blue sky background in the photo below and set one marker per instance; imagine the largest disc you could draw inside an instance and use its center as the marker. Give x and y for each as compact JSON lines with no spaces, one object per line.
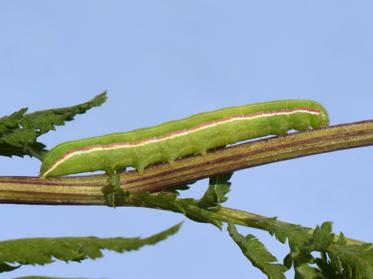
{"x":163,"y":60}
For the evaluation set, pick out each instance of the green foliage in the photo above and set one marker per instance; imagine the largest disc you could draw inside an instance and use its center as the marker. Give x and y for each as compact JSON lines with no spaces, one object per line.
{"x":6,"y":267}
{"x":219,"y":186}
{"x":46,"y":120}
{"x":169,"y":201}
{"x":314,"y":254}
{"x":176,"y":189}
{"x":347,"y":261}
{"x":19,"y":131}
{"x":295,"y":234}
{"x":322,"y":237}
{"x":338,"y":259}
{"x":44,"y":250}
{"x":13,"y":139}
{"x":257,"y":254}
{"x":302,"y":243}
{"x":201,"y":210}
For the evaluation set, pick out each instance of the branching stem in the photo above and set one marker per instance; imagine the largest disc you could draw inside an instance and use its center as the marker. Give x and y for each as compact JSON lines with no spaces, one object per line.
{"x":87,"y":190}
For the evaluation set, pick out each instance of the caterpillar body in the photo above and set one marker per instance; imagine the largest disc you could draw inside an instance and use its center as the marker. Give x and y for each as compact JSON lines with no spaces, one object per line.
{"x":174,"y":139}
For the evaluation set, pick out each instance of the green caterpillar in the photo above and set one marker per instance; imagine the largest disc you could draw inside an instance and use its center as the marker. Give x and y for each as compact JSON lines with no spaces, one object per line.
{"x":193,"y":135}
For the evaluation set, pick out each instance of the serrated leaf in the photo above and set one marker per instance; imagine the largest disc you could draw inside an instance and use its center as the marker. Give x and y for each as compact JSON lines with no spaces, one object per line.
{"x":322,"y":237}
{"x":46,"y":120}
{"x":6,"y":267}
{"x":44,"y":250}
{"x":19,"y":131}
{"x":296,"y":235}
{"x":19,"y":137}
{"x":160,"y":200}
{"x":257,"y":254}
{"x":330,"y":270}
{"x":304,"y":271}
{"x":302,"y":243}
{"x":8,"y":123}
{"x":216,"y":192}
{"x":355,"y":261}
{"x":338,"y":259}
{"x":169,"y":201}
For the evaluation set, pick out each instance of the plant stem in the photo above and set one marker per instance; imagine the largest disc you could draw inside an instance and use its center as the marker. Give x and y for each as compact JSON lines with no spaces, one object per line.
{"x":87,"y":190}
{"x":253,"y":220}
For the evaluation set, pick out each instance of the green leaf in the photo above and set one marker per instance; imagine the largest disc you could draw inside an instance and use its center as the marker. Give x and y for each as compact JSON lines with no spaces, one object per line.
{"x":6,"y":267}
{"x":257,"y":254}
{"x":219,"y":186}
{"x":338,"y":259}
{"x":301,"y":256}
{"x":355,"y":261}
{"x":322,"y":237}
{"x":19,"y":131}
{"x":169,"y":201}
{"x":8,"y":123}
{"x":46,"y":120}
{"x":10,"y":143}
{"x":304,"y":271}
{"x":177,"y":188}
{"x":330,"y":270}
{"x":201,"y":215}
{"x":44,"y":250}
{"x":302,"y":243}
{"x":296,"y":235}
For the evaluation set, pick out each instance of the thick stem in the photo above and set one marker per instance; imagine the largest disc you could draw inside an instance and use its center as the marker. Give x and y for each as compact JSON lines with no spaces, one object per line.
{"x":87,"y":190}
